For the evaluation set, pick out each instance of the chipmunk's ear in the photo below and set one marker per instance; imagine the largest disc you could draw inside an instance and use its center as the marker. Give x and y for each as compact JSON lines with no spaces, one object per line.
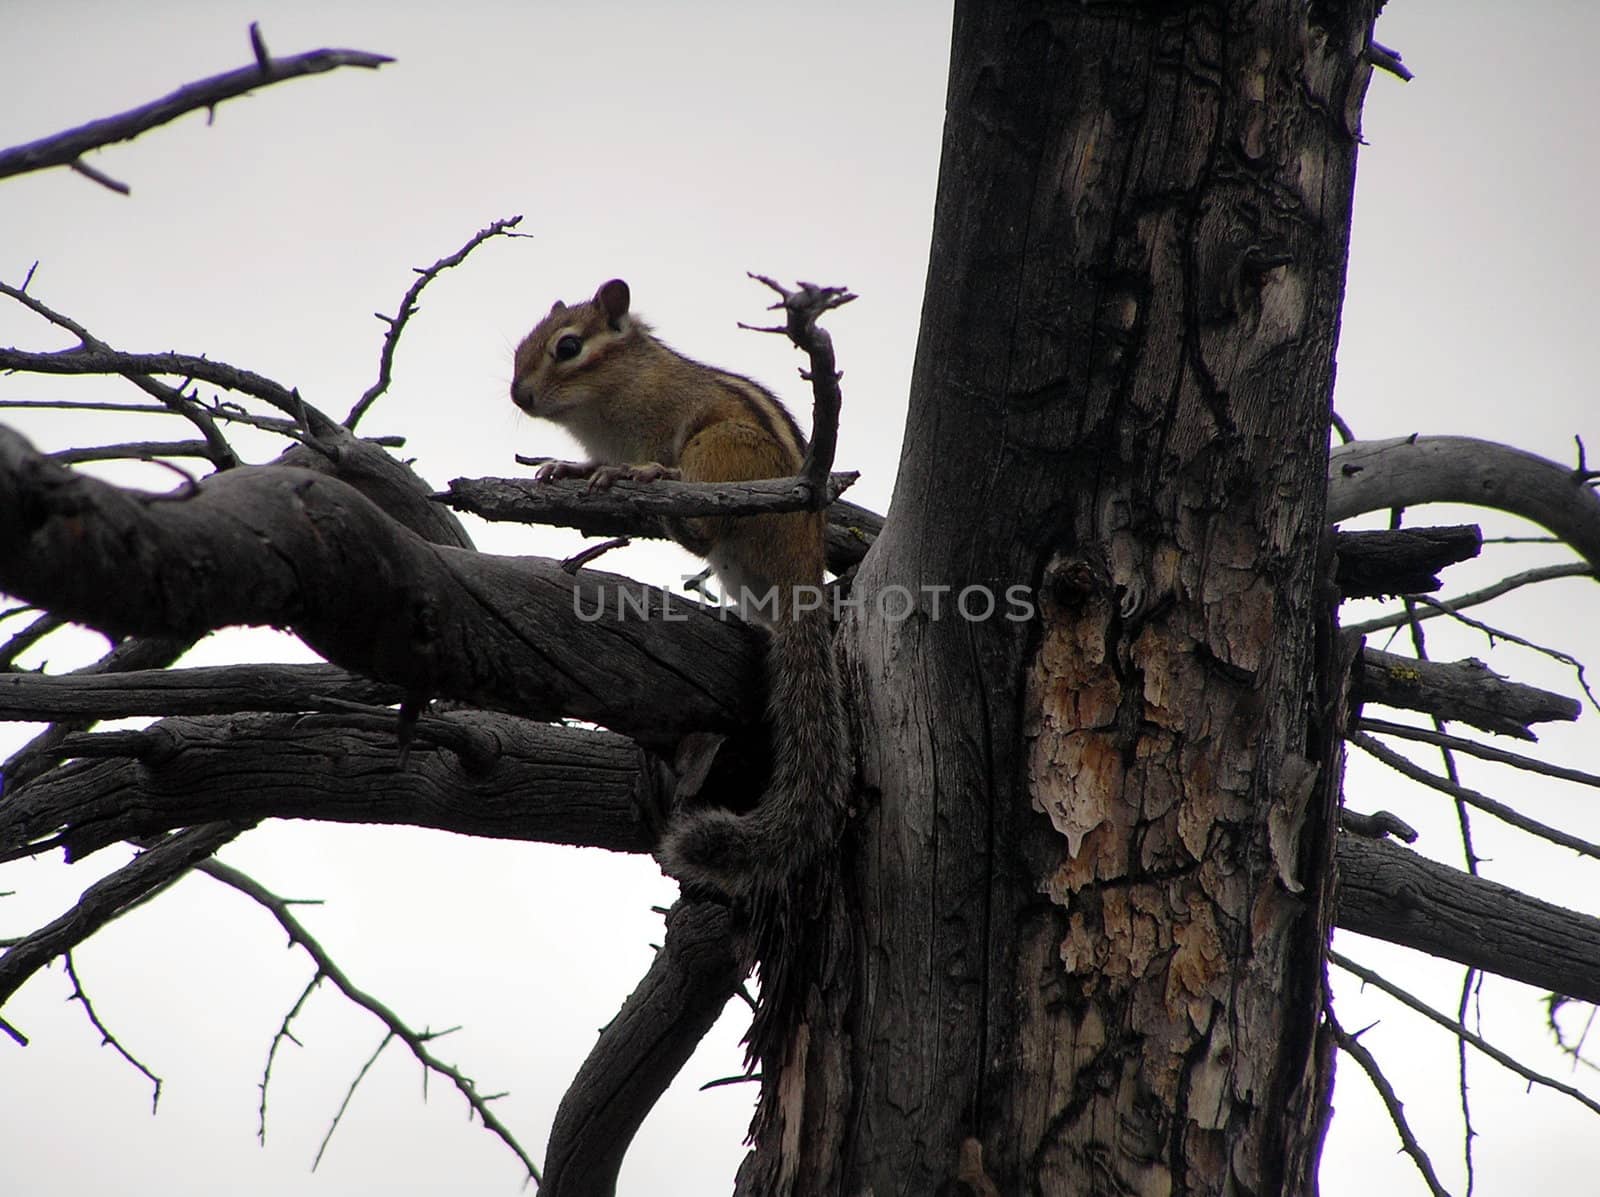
{"x":612,"y":299}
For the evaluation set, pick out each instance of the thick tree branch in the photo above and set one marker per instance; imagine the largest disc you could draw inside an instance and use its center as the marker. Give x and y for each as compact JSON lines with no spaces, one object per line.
{"x":1400,"y":560}
{"x":308,"y":552}
{"x":500,"y":777}
{"x":692,"y":977}
{"x":210,"y":690}
{"x":627,"y":508}
{"x":39,"y":754}
{"x":63,"y":149}
{"x":1376,"y":475}
{"x":383,"y":478}
{"x":1468,"y":691}
{"x":850,"y":533}
{"x":1393,"y":894}
{"x":571,"y":786}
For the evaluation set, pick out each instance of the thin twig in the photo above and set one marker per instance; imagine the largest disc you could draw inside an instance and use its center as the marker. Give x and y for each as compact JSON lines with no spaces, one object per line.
{"x":107,"y":1039}
{"x":349,"y":1094}
{"x":1471,"y":983}
{"x":1574,"y":1050}
{"x":408,"y":308}
{"x":111,"y":361}
{"x":133,"y":884}
{"x":63,"y":149}
{"x":1474,"y":748}
{"x":173,"y":399}
{"x":95,"y":175}
{"x":283,"y":1033}
{"x":593,"y":553}
{"x":1464,"y":823}
{"x":132,"y":451}
{"x":1450,"y":606}
{"x":1477,"y":1041}
{"x":1353,"y":1048}
{"x":84,"y":405}
{"x":1471,"y":797}
{"x":415,"y":1040}
{"x":20,"y":642}
{"x":1493,"y":633}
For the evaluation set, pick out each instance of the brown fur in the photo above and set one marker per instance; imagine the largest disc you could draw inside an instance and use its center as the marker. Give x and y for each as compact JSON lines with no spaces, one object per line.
{"x":631,"y":400}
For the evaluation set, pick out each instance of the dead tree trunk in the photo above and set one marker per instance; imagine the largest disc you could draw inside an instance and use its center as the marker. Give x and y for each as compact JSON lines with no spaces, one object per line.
{"x":1082,"y":914}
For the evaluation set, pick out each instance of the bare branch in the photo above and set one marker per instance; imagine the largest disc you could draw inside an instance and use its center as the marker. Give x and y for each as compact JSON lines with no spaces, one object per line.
{"x":627,"y":507}
{"x":1386,"y":59}
{"x":1400,"y":560}
{"x":83,"y":405}
{"x":350,"y":1093}
{"x":138,"y":880}
{"x":1460,"y":690}
{"x":1408,"y":471}
{"x":63,"y":149}
{"x":1353,"y":1048}
{"x":171,"y":398}
{"x":19,"y":642}
{"x":99,"y":176}
{"x":107,"y":1039}
{"x":520,"y":780}
{"x":416,"y":1041}
{"x":802,"y":308}
{"x":1393,"y":894}
{"x":1483,"y":802}
{"x":408,"y":308}
{"x":1572,"y":569}
{"x":309,"y":552}
{"x":208,"y":690}
{"x":133,"y":451}
{"x":38,"y":755}
{"x":1495,"y":634}
{"x":1468,"y":691}
{"x":1377,"y":825}
{"x":1455,"y":1028}
{"x":692,"y":977}
{"x":283,"y":1035}
{"x":1473,"y":748}
{"x":105,"y":360}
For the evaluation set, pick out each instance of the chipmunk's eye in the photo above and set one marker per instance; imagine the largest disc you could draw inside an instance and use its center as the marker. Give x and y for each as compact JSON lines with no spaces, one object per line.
{"x":568,"y":347}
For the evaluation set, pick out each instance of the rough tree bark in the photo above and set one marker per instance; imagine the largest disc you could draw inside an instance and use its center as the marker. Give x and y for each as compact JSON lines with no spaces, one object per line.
{"x":1085,"y":915}
{"x":1075,"y":943}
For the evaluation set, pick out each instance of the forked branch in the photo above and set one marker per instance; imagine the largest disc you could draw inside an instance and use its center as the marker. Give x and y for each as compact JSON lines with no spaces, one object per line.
{"x":65,"y":149}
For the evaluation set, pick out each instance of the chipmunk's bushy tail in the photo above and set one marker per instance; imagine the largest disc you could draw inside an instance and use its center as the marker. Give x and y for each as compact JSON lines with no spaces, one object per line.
{"x":798,"y":817}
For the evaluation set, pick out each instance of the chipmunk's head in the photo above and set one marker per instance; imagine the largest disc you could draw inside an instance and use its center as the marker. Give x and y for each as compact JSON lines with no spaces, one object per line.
{"x":575,"y":354}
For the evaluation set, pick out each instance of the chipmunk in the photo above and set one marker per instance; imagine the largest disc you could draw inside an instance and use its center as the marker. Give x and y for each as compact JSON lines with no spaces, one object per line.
{"x":644,"y":411}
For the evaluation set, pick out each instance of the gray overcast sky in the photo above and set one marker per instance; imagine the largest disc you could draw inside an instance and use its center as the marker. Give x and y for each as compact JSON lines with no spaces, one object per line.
{"x":679,"y":146}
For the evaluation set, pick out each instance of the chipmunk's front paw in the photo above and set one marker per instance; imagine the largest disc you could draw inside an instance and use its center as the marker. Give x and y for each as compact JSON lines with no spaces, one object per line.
{"x":555,"y":471}
{"x":604,"y":476}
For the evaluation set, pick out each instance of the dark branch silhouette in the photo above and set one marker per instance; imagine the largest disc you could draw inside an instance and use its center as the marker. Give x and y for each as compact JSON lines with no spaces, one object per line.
{"x":65,"y":149}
